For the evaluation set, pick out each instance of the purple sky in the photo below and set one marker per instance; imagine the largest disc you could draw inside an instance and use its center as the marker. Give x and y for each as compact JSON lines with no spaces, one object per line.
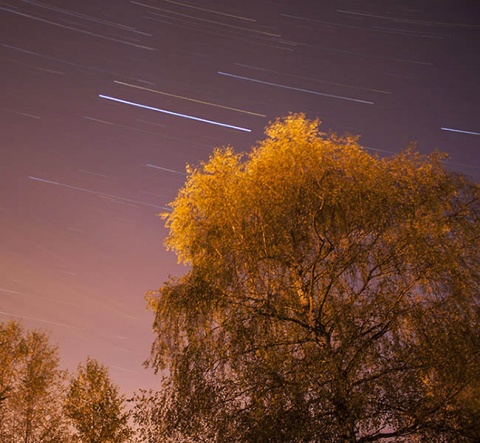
{"x":104,"y":102}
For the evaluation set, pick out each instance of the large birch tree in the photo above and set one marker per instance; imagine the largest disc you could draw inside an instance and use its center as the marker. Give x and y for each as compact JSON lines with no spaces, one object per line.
{"x":331,"y":296}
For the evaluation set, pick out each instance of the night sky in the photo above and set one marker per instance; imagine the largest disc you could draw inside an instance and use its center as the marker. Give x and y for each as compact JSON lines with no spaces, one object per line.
{"x":104,"y":102}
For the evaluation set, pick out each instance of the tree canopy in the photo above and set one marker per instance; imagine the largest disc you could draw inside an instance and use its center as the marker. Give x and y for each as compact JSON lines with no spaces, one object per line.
{"x":331,"y":296}
{"x":95,"y":406}
{"x":31,"y":387}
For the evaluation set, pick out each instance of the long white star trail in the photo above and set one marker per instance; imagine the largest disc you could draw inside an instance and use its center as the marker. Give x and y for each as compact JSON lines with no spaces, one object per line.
{"x":340,"y":97}
{"x":302,"y":77}
{"x":461,"y":131}
{"x":176,"y":114}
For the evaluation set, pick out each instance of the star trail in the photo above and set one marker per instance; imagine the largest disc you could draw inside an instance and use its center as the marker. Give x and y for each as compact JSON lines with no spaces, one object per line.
{"x":103,"y":105}
{"x":176,"y":114}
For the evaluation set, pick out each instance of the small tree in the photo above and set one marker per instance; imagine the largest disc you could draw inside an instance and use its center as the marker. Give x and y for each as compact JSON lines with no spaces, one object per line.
{"x":95,"y":407}
{"x":32,"y":387}
{"x":332,"y":297}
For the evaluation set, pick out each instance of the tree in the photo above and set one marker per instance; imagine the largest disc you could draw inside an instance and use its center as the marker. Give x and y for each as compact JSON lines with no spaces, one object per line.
{"x":12,"y":349}
{"x":95,"y":407}
{"x":31,"y":387}
{"x":332,"y":296}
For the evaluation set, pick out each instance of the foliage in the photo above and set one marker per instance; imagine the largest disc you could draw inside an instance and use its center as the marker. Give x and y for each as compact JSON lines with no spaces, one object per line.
{"x":31,"y":388}
{"x":94,"y":405}
{"x":332,"y":296}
